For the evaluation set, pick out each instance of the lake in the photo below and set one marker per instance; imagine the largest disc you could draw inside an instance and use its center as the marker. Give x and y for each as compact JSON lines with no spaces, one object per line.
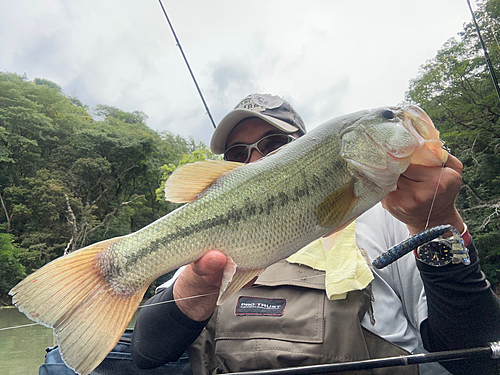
{"x":22,"y":350}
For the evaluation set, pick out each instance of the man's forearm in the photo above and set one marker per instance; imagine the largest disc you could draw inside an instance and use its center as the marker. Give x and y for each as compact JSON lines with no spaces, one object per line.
{"x":162,"y":332}
{"x":463,"y":311}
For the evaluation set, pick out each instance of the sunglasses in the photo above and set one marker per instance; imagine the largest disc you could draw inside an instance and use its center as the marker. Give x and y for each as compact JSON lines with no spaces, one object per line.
{"x":241,"y":152}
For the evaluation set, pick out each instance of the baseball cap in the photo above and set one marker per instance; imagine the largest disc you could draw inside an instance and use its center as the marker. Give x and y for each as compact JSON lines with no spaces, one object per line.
{"x":272,"y":109}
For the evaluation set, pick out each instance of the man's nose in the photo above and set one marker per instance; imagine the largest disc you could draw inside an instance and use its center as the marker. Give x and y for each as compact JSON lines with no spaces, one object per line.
{"x":254,"y":155}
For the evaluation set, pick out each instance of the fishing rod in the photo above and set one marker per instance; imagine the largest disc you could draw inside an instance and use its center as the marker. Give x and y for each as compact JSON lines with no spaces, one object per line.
{"x":491,"y":351}
{"x":488,"y":61}
{"x":187,"y":64}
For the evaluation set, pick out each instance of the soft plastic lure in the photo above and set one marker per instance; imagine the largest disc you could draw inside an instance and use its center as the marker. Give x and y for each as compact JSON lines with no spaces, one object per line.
{"x":460,"y":252}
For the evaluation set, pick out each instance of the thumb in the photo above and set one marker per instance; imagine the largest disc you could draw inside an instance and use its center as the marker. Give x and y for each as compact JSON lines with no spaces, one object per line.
{"x":209,"y":264}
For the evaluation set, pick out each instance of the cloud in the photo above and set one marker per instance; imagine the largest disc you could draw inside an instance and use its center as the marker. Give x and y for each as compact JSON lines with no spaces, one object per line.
{"x":230,"y":82}
{"x":323,"y":105}
{"x":327,"y":58}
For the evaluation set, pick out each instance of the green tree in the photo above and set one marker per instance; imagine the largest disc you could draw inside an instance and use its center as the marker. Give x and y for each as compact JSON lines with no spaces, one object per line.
{"x":456,"y":89}
{"x":11,"y":270}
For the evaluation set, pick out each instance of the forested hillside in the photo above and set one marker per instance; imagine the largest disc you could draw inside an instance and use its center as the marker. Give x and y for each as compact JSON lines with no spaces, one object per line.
{"x":70,"y":177}
{"x":456,"y":89}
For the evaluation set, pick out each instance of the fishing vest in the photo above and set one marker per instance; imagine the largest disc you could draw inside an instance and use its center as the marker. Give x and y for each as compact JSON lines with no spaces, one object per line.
{"x":286,"y":320}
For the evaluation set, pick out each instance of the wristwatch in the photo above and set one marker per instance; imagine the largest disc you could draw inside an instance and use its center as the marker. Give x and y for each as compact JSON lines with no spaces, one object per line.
{"x":443,"y":251}
{"x":435,"y":253}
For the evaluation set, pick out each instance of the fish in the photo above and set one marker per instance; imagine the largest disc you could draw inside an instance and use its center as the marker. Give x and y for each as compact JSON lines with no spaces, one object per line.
{"x":256,"y":214}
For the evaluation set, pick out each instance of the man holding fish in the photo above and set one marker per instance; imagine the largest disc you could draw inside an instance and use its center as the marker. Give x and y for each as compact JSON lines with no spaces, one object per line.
{"x":322,"y":304}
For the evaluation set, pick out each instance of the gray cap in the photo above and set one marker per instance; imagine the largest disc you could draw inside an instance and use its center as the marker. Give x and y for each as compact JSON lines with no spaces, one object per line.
{"x":272,"y":109}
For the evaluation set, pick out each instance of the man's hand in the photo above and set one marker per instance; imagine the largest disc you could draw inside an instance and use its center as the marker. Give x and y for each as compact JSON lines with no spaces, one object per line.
{"x":202,"y":278}
{"x":411,"y":202}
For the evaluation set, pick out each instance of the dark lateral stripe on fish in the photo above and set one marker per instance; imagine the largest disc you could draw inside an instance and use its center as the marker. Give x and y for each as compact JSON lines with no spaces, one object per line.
{"x":235,"y":215}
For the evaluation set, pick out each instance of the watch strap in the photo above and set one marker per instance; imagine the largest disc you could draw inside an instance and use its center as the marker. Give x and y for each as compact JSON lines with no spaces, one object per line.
{"x":466,"y":236}
{"x":458,"y":244}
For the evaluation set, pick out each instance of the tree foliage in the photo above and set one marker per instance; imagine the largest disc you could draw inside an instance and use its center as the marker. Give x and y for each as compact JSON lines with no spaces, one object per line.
{"x":456,"y":89}
{"x":11,"y":271}
{"x":70,"y":177}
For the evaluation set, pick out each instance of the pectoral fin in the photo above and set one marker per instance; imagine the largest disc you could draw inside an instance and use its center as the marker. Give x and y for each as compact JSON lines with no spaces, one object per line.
{"x":337,"y":206}
{"x":329,"y":239}
{"x":234,"y":279}
{"x":188,"y":181}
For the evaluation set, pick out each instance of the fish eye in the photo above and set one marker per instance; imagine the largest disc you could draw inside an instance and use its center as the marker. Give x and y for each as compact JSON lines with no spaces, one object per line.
{"x":387,"y":113}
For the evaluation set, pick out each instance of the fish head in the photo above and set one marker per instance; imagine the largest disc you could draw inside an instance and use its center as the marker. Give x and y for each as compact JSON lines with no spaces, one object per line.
{"x":381,"y":143}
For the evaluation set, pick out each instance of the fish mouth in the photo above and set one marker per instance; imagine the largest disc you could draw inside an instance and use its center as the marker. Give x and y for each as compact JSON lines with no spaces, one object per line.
{"x":430,"y":151}
{"x":382,"y":151}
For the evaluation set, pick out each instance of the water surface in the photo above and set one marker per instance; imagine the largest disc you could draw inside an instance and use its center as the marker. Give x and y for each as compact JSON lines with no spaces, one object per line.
{"x":22,"y":349}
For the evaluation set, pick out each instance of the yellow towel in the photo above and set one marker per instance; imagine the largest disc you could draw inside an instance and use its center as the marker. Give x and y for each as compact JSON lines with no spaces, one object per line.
{"x":341,"y":260}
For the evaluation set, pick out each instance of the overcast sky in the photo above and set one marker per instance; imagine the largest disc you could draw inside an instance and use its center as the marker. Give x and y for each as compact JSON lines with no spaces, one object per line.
{"x":326,"y":57}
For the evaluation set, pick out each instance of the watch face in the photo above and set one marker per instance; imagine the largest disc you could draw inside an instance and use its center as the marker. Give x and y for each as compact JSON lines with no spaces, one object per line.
{"x":435,"y":253}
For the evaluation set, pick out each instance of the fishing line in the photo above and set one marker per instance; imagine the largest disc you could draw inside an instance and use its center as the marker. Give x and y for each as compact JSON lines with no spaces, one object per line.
{"x":177,"y":299}
{"x":211,"y":294}
{"x":174,"y":300}
{"x":434,"y":197}
{"x":21,"y":326}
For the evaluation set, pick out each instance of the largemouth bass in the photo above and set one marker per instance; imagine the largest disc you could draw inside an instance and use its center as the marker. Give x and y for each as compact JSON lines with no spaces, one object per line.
{"x":257,"y":214}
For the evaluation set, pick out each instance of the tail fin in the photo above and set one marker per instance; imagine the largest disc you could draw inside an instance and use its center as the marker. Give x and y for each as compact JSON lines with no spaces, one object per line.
{"x":71,"y":295}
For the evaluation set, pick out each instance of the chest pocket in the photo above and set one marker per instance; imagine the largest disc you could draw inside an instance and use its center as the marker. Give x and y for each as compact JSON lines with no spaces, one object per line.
{"x":283,"y":313}
{"x":265,"y":341}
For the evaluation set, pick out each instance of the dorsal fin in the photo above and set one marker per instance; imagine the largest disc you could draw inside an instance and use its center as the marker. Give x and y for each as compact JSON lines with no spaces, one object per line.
{"x":188,"y":181}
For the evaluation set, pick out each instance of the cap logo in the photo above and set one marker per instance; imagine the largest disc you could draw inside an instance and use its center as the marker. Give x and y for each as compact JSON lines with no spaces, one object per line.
{"x":259,"y":103}
{"x":269,"y":102}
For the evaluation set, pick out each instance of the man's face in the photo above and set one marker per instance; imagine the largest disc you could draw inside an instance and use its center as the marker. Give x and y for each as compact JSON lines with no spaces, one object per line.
{"x":249,"y":131}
